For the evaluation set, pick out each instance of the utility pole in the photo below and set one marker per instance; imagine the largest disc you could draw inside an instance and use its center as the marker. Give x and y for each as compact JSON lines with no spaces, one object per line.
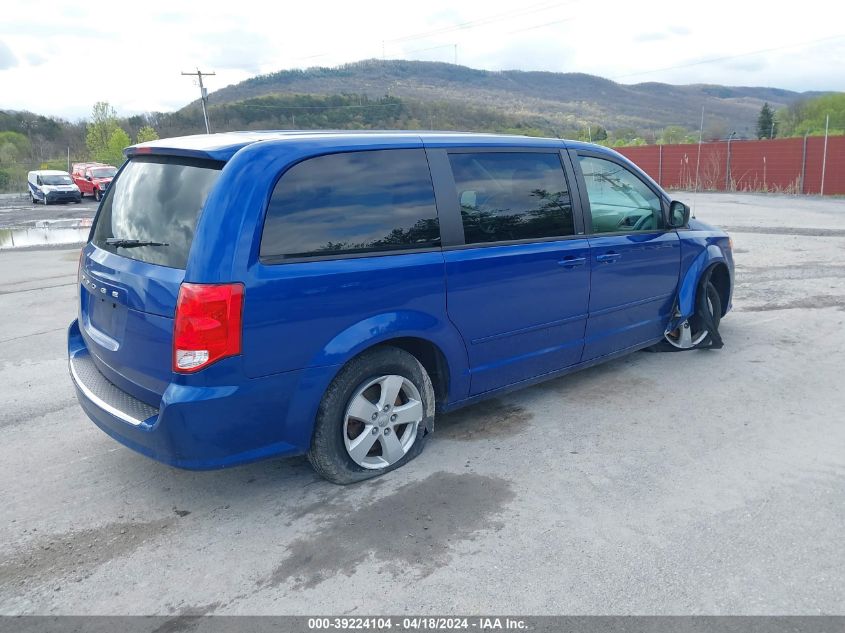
{"x":728,"y":170}
{"x":698,"y":159}
{"x":803,"y":164}
{"x":824,"y":152}
{"x":203,"y":95}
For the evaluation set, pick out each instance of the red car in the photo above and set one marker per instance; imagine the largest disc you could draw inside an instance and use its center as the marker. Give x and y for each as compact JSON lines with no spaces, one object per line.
{"x":93,"y":178}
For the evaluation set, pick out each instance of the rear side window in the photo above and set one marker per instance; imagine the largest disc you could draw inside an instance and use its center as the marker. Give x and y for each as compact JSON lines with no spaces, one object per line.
{"x":350,"y":203}
{"x":155,"y":199}
{"x":512,"y":196}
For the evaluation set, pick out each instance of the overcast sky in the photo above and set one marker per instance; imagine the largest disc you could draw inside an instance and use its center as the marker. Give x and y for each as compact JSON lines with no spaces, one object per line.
{"x":60,"y":57}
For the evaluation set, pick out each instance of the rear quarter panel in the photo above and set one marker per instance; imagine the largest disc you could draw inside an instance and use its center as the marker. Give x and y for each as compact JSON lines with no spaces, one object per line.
{"x":316,"y":313}
{"x":319,"y":313}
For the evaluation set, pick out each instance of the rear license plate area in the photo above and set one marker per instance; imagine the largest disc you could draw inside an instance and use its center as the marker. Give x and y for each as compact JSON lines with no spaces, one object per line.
{"x":107,"y":315}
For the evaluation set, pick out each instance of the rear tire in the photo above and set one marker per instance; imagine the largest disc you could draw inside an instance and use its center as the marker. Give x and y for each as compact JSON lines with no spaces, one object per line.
{"x":362,"y":429}
{"x":97,"y":195}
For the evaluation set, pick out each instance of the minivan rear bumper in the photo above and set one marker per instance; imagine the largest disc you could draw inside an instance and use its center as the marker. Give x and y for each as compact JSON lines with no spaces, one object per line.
{"x":203,"y":427}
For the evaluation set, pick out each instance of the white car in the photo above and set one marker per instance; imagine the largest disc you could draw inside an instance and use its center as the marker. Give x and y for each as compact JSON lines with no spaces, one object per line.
{"x":51,"y":185}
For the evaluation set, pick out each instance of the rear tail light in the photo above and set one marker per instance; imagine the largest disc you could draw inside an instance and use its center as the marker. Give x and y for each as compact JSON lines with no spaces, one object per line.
{"x":207,"y":326}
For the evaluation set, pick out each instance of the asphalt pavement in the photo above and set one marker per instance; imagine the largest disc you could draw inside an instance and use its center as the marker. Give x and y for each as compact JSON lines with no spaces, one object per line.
{"x":706,"y":482}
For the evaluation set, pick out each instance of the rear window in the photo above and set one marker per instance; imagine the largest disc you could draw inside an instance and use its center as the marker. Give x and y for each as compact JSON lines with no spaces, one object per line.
{"x":352,"y":203}
{"x":156,"y":199}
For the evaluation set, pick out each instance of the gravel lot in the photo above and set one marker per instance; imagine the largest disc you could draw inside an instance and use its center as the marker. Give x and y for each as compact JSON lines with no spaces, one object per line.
{"x":694,"y":483}
{"x":15,"y":213}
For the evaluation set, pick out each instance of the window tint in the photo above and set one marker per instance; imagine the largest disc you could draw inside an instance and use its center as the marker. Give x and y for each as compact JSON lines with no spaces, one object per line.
{"x":619,"y":200}
{"x":156,"y":199}
{"x":356,"y":202}
{"x":512,"y":196}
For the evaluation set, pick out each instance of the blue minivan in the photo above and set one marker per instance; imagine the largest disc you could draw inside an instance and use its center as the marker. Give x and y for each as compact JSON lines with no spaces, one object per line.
{"x":246,"y":295}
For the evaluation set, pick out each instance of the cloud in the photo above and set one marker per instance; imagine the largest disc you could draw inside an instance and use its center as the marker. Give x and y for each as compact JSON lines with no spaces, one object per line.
{"x":236,"y":49}
{"x":658,"y":43}
{"x":747,"y":65}
{"x":650,"y":37}
{"x":35,"y":59}
{"x":7,"y":57}
{"x":657,"y":36}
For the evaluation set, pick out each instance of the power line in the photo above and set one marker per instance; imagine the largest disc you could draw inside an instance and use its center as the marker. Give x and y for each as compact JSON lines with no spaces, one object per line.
{"x":428,"y":48}
{"x":490,"y":19}
{"x":314,"y":107}
{"x":543,"y":25}
{"x":527,"y":28}
{"x":535,"y":8}
{"x":727,"y":57}
{"x":203,"y":95}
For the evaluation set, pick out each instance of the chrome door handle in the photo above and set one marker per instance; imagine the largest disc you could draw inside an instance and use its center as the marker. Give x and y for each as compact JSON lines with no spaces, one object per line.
{"x":572,"y":262}
{"x":608,"y":257}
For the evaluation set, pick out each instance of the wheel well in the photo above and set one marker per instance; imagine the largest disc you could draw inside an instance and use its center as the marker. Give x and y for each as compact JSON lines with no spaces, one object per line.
{"x":721,"y":279}
{"x":432,"y":358}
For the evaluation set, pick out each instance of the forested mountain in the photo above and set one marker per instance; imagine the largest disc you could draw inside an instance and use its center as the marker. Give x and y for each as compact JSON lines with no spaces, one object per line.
{"x":570,"y":100}
{"x":397,"y":94}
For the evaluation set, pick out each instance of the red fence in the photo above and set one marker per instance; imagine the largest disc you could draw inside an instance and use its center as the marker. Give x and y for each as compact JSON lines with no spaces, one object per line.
{"x":789,"y":165}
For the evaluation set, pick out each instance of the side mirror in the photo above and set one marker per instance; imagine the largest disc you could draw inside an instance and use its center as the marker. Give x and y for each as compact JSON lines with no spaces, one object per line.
{"x":678,"y":214}
{"x":88,"y":178}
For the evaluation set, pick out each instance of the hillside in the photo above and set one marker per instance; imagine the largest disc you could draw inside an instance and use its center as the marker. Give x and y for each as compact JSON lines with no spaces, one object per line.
{"x":567,"y":99}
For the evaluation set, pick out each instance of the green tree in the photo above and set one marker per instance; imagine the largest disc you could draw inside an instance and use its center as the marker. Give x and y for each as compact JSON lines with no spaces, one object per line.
{"x":808,"y":116}
{"x":672,"y":135}
{"x":100,"y":130}
{"x":766,"y":122}
{"x":789,"y":118}
{"x":118,"y":141}
{"x":15,"y":153}
{"x":146,"y":133}
{"x":14,"y":147}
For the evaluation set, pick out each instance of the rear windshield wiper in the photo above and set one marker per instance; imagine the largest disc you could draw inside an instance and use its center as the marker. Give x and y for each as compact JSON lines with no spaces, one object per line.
{"x":125,"y":243}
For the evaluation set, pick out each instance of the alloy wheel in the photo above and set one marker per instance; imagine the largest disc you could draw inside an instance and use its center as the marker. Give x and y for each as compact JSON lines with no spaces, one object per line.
{"x":381,"y":421}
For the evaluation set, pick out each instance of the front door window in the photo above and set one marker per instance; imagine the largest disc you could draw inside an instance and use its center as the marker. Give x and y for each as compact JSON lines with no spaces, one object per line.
{"x":619,"y":201}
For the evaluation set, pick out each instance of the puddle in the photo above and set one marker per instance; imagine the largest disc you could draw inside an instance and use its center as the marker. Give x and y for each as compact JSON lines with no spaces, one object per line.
{"x":46,"y":233}
{"x":409,"y":533}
